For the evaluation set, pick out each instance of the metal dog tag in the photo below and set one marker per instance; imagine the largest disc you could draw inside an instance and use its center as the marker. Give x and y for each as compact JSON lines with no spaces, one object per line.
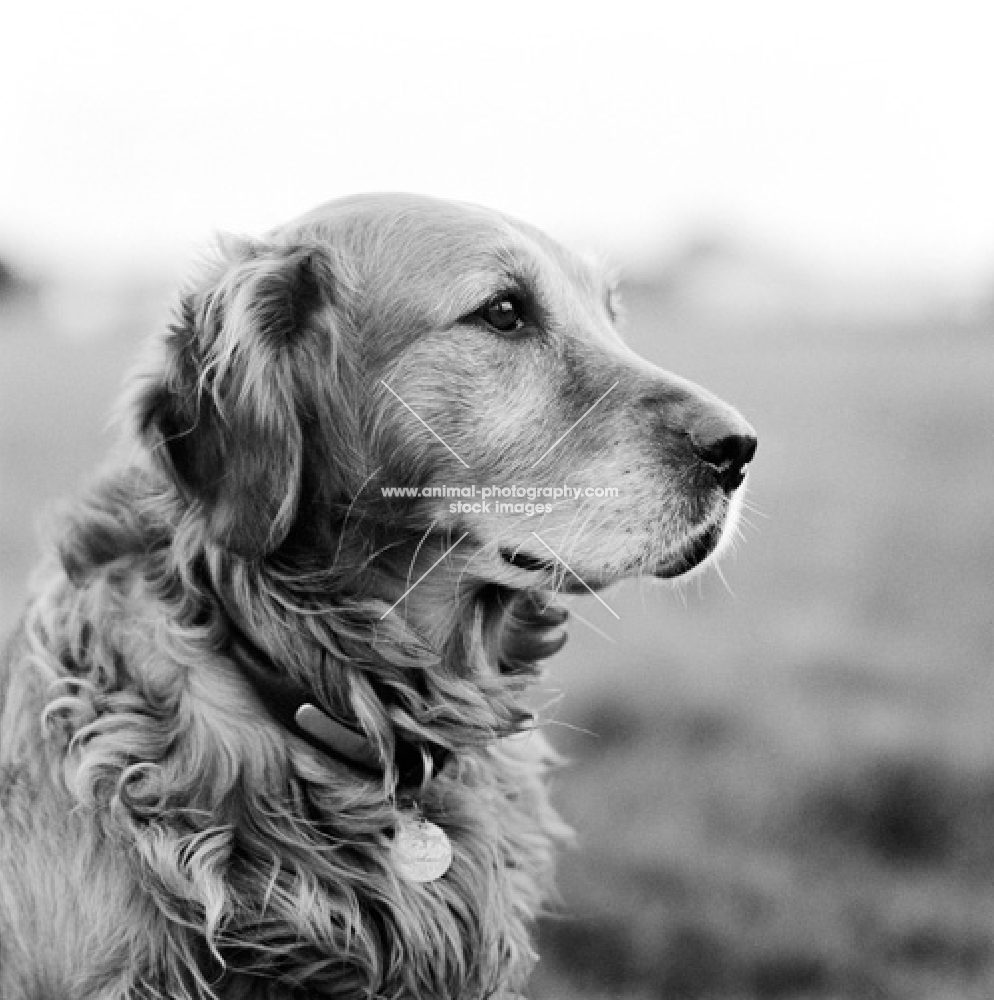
{"x":421,"y":849}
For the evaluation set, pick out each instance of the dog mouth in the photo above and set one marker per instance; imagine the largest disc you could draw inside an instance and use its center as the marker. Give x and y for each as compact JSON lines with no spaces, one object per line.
{"x":566,"y":582}
{"x":699,"y":548}
{"x":521,"y":560}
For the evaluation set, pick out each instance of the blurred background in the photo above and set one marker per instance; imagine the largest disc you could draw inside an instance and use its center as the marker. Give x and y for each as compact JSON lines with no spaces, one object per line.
{"x":783,"y":787}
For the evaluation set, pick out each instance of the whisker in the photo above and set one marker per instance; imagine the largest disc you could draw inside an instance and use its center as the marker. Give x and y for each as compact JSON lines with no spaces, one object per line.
{"x":417,"y":551}
{"x":721,"y":576}
{"x":348,"y":512}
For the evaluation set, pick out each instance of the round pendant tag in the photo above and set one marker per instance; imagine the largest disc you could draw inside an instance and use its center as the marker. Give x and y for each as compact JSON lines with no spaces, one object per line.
{"x":421,"y":849}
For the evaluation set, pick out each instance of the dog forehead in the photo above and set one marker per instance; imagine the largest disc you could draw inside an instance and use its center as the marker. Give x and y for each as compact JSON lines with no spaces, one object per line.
{"x":408,"y":242}
{"x":402,"y":216}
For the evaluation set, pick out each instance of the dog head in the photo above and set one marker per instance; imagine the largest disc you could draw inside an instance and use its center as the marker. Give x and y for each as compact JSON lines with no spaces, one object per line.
{"x":399,"y":368}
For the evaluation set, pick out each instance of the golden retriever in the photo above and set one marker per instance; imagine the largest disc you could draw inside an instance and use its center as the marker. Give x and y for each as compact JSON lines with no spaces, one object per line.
{"x":265,"y":728}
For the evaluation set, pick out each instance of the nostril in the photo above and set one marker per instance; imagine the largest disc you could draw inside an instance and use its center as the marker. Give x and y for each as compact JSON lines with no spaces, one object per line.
{"x":729,"y":456}
{"x":734,"y":449}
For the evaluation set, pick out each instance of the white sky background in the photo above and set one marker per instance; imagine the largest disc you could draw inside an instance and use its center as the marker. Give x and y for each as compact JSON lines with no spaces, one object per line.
{"x":858,"y":135}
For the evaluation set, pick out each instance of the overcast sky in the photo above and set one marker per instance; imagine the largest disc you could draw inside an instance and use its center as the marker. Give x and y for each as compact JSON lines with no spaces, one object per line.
{"x":857,"y":134}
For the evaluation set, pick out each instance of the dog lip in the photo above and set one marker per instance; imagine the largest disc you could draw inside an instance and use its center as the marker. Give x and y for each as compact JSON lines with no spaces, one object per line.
{"x":522,"y":560}
{"x":699,"y":549}
{"x":567,"y":583}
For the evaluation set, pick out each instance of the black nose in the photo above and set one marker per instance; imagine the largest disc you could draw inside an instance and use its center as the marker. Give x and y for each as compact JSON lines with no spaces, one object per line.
{"x":728,"y":455}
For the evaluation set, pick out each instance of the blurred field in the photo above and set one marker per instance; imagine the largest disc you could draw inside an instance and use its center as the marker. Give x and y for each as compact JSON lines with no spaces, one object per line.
{"x":785,"y":793}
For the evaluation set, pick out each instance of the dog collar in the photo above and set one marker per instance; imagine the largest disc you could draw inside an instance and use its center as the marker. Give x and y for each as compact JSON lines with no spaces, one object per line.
{"x":295,"y":708}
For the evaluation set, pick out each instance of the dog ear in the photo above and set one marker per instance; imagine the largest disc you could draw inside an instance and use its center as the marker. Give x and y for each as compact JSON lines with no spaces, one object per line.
{"x":224,"y":417}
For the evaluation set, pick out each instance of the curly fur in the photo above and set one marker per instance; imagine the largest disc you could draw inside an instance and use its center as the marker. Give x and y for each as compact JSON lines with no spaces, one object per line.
{"x":161,"y":835}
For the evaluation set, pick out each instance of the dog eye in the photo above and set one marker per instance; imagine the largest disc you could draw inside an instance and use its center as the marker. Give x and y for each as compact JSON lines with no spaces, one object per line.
{"x":504,"y":314}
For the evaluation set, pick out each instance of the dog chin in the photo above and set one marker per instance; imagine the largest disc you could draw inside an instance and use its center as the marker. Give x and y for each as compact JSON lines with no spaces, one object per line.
{"x":704,"y":546}
{"x":692,"y":556}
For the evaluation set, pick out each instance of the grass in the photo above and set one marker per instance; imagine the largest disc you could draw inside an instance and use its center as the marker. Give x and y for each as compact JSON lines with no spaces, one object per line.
{"x":785,"y":793}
